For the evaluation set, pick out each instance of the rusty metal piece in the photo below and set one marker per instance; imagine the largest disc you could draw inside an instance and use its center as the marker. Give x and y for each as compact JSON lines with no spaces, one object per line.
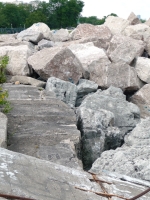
{"x":141,"y":194}
{"x":102,"y":194}
{"x":6,"y":196}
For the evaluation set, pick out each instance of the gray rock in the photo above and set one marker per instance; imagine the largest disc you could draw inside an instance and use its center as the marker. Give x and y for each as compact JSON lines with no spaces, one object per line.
{"x":142,"y":67}
{"x":18,"y":55}
{"x":96,"y":133}
{"x":147,"y":22}
{"x":89,"y":31}
{"x":58,"y":62}
{"x":91,"y":57}
{"x":103,"y":119}
{"x":65,"y":91}
{"x":41,"y":125}
{"x":123,"y":48}
{"x":84,"y":87}
{"x":61,"y":35}
{"x":142,"y":99}
{"x":133,"y":158}
{"x":133,"y":19}
{"x":45,"y":44}
{"x":116,"y":24}
{"x":25,"y":80}
{"x":53,"y":181}
{"x":3,"y":130}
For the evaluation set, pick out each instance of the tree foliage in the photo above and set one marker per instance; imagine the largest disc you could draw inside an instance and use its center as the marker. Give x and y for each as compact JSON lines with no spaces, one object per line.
{"x":55,"y":13}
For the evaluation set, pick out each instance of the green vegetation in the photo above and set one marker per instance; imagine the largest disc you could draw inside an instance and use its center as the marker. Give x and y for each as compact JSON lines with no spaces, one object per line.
{"x":55,"y":13}
{"x":94,"y":20}
{"x":4,"y":104}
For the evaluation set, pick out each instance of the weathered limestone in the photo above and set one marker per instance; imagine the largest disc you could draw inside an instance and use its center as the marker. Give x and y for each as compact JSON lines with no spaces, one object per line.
{"x":142,"y":67}
{"x":116,"y":24}
{"x":117,"y":113}
{"x":45,"y":44}
{"x":3,"y":130}
{"x":25,"y":80}
{"x":97,"y":130}
{"x":91,"y":57}
{"x":123,"y":76}
{"x":61,"y":35}
{"x":64,"y":90}
{"x":123,"y":48}
{"x":58,"y":62}
{"x":133,"y":19}
{"x":133,"y":158}
{"x":29,"y":177}
{"x":84,"y":87}
{"x":18,"y":55}
{"x":42,"y":126}
{"x":35,"y":33}
{"x":89,"y":31}
{"x":147,"y":22}
{"x":8,"y":40}
{"x":142,"y":99}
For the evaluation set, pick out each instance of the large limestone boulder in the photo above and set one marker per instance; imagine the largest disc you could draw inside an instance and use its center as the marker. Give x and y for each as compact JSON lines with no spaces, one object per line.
{"x":123,"y":48}
{"x":133,"y":158}
{"x":58,"y":62}
{"x":147,"y":22}
{"x":3,"y":130}
{"x":8,"y":40}
{"x":123,"y":76}
{"x":89,"y":31}
{"x":35,"y":33}
{"x":42,"y":126}
{"x":45,"y":44}
{"x":85,"y":87}
{"x":18,"y":55}
{"x":61,"y":35}
{"x":91,"y":58}
{"x":116,"y":24}
{"x":142,"y":99}
{"x":64,"y":90}
{"x":139,"y":31}
{"x":133,"y":19}
{"x":97,"y":131}
{"x":117,"y":113}
{"x":53,"y":181}
{"x":142,"y":67}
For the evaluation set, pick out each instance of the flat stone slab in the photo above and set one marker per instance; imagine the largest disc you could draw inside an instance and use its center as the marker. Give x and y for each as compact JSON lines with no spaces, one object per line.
{"x":29,"y":177}
{"x":41,"y":125}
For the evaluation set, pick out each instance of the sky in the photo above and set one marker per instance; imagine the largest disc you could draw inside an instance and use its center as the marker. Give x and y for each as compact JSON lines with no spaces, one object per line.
{"x":122,"y":8}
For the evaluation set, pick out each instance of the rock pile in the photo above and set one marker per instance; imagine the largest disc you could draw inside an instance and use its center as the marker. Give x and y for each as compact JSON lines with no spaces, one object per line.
{"x":81,"y":78}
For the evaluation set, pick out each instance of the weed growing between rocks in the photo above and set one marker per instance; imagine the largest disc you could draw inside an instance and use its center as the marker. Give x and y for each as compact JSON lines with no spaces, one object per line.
{"x":4,"y":104}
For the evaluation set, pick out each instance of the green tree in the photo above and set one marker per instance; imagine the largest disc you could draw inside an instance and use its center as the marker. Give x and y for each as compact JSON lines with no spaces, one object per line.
{"x":36,"y":16}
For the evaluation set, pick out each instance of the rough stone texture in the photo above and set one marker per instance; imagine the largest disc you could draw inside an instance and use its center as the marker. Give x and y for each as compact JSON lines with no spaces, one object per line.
{"x":30,"y":35}
{"x":126,"y":114}
{"x":57,"y":62}
{"x":142,"y":99}
{"x":133,"y":158}
{"x":116,"y":24}
{"x":98,"y":117}
{"x":3,"y":130}
{"x":41,"y":125}
{"x":123,"y":48}
{"x":123,"y":76}
{"x":91,"y":58}
{"x":28,"y":81}
{"x":142,"y":67}
{"x":35,"y":33}
{"x":133,"y":19}
{"x":53,"y":181}
{"x":89,"y":31}
{"x":96,"y":132}
{"x":85,"y":87}
{"x":65,"y":91}
{"x":18,"y":55}
{"x":61,"y":35}
{"x":8,"y":39}
{"x":45,"y":44}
